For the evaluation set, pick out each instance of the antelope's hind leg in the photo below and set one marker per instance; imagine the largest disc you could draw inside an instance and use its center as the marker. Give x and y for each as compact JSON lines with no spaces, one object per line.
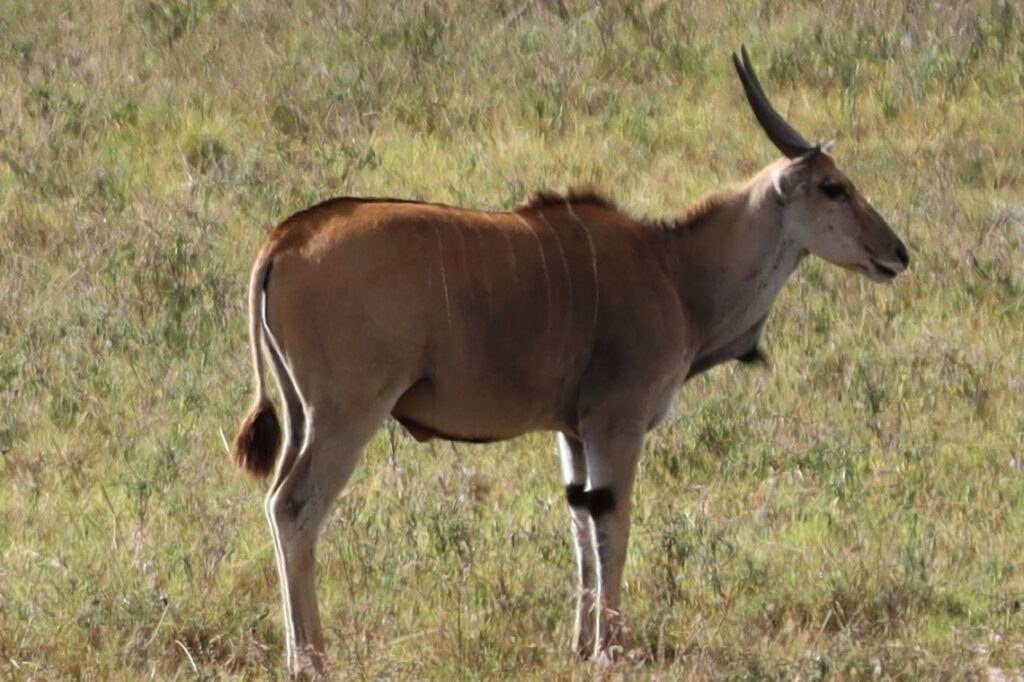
{"x":294,"y":435}
{"x":297,"y":505}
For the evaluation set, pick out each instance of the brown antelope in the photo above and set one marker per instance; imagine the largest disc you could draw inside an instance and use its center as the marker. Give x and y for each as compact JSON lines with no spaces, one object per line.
{"x":566,"y":314}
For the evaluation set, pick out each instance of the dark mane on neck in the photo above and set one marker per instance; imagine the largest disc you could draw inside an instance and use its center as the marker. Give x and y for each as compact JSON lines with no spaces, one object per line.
{"x":573,"y":195}
{"x":695,"y":216}
{"x":693,"y":219}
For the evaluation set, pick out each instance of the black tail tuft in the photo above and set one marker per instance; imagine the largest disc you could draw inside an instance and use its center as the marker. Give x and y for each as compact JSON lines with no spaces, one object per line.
{"x":258,"y":440}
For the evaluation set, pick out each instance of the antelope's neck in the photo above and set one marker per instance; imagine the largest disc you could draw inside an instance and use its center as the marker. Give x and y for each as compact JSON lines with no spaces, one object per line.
{"x":728,"y":271}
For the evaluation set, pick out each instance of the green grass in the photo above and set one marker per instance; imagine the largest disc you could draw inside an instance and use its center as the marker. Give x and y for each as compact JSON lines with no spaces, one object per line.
{"x":856,"y":511}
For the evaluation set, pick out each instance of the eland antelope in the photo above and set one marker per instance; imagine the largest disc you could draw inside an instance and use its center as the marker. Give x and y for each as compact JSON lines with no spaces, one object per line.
{"x":566,"y":314}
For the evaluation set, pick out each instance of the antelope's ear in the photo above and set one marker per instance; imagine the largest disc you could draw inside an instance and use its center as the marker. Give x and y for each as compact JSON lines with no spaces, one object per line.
{"x":791,"y":180}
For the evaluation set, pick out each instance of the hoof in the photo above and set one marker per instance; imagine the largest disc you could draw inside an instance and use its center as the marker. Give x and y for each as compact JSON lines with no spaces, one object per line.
{"x":609,"y":655}
{"x":308,"y":665}
{"x":582,"y":652}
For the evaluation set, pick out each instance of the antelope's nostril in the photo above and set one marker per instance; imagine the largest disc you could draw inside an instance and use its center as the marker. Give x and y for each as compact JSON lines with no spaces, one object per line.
{"x":901,"y":253}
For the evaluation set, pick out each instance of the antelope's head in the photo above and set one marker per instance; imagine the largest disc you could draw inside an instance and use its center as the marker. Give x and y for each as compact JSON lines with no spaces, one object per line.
{"x":821,"y":208}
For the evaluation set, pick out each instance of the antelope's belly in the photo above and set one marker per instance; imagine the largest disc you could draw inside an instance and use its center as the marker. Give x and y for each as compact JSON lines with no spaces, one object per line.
{"x":480,"y":413}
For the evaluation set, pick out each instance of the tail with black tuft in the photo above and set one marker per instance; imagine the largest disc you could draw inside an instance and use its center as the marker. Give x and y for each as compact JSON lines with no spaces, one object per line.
{"x":259,"y":435}
{"x":258,"y":439}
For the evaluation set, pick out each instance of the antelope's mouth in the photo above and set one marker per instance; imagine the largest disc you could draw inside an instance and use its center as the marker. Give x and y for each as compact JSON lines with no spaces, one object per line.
{"x":885,"y":271}
{"x":875,"y":271}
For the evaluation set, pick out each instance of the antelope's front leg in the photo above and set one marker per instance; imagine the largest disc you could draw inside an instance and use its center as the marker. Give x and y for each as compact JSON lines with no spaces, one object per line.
{"x":611,"y":458}
{"x":574,"y":473}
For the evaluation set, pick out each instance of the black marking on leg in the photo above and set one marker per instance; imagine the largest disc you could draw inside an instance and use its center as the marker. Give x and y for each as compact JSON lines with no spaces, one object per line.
{"x":575,"y":495}
{"x":600,"y":501}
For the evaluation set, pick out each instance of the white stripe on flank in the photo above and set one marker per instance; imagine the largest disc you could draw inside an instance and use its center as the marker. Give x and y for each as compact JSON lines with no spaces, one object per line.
{"x":444,"y":277}
{"x":543,"y":261}
{"x":511,"y":249}
{"x":462,"y":250}
{"x":565,"y":261}
{"x":482,"y":259}
{"x":593,"y":258}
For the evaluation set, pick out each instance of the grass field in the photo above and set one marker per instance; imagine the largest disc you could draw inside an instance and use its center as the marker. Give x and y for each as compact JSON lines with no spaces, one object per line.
{"x":856,"y":511}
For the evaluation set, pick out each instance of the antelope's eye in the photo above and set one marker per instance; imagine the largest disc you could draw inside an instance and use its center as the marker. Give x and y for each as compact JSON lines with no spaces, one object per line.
{"x":833,"y":190}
